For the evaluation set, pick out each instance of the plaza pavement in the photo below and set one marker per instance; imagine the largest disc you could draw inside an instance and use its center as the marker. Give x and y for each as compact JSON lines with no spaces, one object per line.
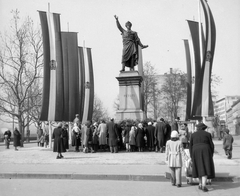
{"x":33,"y":162}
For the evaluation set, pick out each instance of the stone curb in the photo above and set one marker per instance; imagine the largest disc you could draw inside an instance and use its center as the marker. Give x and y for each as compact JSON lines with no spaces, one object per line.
{"x":74,"y":176}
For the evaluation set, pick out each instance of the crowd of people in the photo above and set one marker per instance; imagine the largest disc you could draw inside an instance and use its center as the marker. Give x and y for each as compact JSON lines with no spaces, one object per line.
{"x":195,"y":148}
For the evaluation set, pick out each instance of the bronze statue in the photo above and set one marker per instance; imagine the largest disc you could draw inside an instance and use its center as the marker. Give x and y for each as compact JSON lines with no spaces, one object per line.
{"x":130,"y":46}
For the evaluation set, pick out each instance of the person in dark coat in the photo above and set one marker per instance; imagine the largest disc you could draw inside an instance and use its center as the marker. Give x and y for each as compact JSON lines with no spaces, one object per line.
{"x":168,"y":133}
{"x":95,"y":139}
{"x":160,"y":131}
{"x":65,"y":136}
{"x":175,"y":126}
{"x":201,"y":149}
{"x":39,"y":135}
{"x":150,"y":136}
{"x":88,"y":137}
{"x":76,"y":137}
{"x":126,"y":132}
{"x":140,"y":137}
{"x":58,"y":141}
{"x":7,"y":138}
{"x":16,"y":138}
{"x":112,"y":136}
{"x":227,"y":144}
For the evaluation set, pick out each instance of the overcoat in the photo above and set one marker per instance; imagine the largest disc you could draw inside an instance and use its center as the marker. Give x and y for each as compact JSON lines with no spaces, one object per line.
{"x":132,"y":140}
{"x":140,"y":137}
{"x":174,"y":152}
{"x":227,"y":142}
{"x":126,"y":134}
{"x":102,"y":129}
{"x":160,"y":131}
{"x":88,"y":136}
{"x":76,"y":136}
{"x":58,"y":140}
{"x":150,"y":136}
{"x":201,"y":150}
{"x":16,"y":138}
{"x":65,"y":138}
{"x":112,"y":134}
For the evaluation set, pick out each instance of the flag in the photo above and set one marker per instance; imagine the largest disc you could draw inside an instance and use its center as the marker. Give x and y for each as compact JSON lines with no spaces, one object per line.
{"x":196,"y":101}
{"x":71,"y":75}
{"x":189,"y":81}
{"x":87,"y":82}
{"x":52,"y":103}
{"x":207,"y":104}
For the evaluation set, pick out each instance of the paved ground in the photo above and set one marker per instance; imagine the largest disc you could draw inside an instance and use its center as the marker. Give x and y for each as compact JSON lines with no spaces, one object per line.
{"x":40,"y":163}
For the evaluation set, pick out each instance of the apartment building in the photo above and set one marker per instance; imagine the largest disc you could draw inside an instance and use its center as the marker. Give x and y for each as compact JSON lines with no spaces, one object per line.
{"x":222,"y":105}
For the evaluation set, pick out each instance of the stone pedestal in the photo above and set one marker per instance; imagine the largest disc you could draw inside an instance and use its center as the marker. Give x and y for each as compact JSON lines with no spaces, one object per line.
{"x":130,"y":99}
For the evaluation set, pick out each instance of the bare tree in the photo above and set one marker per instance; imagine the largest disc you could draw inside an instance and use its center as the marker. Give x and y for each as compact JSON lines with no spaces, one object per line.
{"x":20,"y":68}
{"x":99,"y":112}
{"x":174,"y":92}
{"x":151,"y":91}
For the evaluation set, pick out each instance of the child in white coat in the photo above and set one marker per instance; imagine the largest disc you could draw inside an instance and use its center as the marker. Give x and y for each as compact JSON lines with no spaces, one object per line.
{"x":174,"y":153}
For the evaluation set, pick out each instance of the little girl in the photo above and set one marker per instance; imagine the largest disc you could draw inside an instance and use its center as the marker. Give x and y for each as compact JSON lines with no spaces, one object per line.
{"x":174,"y":152}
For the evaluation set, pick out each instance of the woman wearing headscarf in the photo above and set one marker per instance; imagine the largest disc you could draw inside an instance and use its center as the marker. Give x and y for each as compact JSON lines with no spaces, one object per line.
{"x":58,"y":141}
{"x":201,"y":150}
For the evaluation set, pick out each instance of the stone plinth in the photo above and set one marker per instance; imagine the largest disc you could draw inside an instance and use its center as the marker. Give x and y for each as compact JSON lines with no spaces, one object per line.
{"x":129,"y":96}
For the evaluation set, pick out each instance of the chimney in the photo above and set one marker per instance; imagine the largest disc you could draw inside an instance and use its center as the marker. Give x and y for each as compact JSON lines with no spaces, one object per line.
{"x":170,"y":70}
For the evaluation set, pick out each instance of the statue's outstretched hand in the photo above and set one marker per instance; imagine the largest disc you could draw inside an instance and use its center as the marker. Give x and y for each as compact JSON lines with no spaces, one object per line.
{"x":144,"y":46}
{"x":115,"y":17}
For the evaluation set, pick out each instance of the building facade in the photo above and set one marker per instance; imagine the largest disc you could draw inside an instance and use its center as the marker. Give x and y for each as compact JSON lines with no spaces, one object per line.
{"x":222,"y":105}
{"x":233,"y":118}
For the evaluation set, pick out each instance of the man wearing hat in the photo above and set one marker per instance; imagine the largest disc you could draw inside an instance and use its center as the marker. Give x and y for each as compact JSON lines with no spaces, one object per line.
{"x":160,"y":131}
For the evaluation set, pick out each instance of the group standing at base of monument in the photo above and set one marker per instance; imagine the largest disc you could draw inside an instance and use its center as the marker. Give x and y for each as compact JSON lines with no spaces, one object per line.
{"x":195,"y":150}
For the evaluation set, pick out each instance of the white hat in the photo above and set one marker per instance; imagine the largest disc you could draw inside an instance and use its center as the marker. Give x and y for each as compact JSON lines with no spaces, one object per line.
{"x":174,"y":134}
{"x":149,"y":123}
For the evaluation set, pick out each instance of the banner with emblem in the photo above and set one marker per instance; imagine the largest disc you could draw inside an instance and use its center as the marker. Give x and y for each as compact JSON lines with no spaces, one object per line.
{"x":52,"y":102}
{"x":207,"y":104}
{"x":86,"y":83}
{"x":201,"y":101}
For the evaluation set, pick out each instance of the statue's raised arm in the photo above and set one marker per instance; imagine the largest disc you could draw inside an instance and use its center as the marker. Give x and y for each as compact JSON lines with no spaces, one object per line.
{"x":131,"y":42}
{"x":118,"y":24}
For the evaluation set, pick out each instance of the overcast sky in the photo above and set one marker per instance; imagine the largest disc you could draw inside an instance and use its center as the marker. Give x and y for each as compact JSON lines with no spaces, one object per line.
{"x":161,"y":24}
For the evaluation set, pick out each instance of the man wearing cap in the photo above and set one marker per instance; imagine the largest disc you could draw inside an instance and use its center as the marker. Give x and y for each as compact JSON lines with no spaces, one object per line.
{"x":160,"y":131}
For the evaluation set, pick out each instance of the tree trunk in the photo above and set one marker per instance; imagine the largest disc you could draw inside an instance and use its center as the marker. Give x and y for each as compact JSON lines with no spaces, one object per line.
{"x":21,"y":130}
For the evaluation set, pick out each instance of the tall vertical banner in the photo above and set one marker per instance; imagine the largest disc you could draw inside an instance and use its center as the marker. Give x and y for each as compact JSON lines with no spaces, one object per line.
{"x":71,"y":75}
{"x":52,"y":103}
{"x":207,"y":104}
{"x":202,"y":100}
{"x":85,"y":62}
{"x":189,"y":81}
